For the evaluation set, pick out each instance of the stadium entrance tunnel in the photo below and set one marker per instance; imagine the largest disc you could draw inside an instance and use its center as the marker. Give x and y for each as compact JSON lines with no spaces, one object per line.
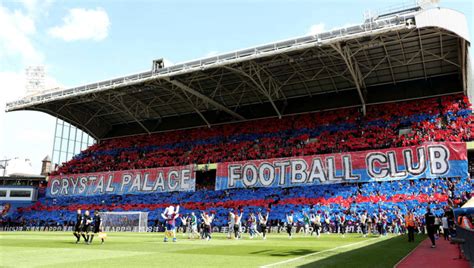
{"x":206,"y":179}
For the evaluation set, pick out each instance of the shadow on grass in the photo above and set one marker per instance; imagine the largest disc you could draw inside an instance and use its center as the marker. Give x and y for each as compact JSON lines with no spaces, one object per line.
{"x":385,"y":253}
{"x":297,"y":252}
{"x":273,"y":253}
{"x":261,"y":251}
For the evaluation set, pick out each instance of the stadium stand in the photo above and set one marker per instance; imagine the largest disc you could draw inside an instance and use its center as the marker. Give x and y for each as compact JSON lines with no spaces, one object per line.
{"x":386,"y":83}
{"x":362,"y":124}
{"x":446,"y":118}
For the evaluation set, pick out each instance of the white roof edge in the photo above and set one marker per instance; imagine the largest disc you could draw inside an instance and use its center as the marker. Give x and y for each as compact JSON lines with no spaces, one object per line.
{"x":444,"y":18}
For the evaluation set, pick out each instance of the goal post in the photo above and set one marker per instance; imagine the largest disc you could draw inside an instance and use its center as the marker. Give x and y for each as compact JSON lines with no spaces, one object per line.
{"x":124,"y":221}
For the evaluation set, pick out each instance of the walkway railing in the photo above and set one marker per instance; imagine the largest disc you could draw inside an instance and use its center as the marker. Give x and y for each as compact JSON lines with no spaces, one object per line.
{"x":468,"y":246}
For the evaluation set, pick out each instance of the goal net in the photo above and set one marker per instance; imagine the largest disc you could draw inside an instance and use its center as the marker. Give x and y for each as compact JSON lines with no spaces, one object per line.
{"x":124,"y":221}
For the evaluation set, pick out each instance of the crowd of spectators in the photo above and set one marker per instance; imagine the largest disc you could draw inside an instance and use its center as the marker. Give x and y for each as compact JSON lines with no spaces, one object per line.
{"x":447,"y":118}
{"x":387,"y":200}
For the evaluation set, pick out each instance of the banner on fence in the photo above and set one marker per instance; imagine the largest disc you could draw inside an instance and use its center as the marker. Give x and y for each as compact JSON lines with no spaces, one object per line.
{"x":431,"y":160}
{"x":138,"y":181}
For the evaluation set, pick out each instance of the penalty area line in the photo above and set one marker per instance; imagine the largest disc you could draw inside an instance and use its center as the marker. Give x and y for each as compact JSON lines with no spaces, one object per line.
{"x":319,"y":252}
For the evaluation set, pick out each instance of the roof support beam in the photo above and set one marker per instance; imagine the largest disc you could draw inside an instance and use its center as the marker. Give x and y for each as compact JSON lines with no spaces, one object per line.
{"x":158,"y":85}
{"x":374,"y":68}
{"x":402,"y":47}
{"x":203,"y":118}
{"x":136,"y":120}
{"x":273,"y":84}
{"x":203,"y":97}
{"x":388,"y":60}
{"x":324,"y":67}
{"x":191,"y":103}
{"x":123,"y":107}
{"x":354,"y":70}
{"x":94,"y":115}
{"x":464,"y":65}
{"x":258,"y":85}
{"x":442,"y":58}
{"x":144,"y":106}
{"x":422,"y":54}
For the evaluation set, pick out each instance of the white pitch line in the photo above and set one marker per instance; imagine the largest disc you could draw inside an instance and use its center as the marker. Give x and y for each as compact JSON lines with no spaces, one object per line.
{"x":316,"y":253}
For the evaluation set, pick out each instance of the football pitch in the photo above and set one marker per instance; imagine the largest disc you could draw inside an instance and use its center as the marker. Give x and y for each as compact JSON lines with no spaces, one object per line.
{"x":57,"y":249}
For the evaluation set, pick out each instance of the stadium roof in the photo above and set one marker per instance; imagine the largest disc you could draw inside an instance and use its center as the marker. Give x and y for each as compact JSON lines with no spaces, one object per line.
{"x":411,"y":53}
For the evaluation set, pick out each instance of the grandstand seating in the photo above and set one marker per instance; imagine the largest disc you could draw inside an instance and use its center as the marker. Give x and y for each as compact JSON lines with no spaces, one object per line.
{"x":446,"y":118}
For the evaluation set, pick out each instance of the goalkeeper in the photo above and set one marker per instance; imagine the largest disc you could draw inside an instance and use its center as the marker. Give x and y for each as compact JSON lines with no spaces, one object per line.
{"x":170,"y":215}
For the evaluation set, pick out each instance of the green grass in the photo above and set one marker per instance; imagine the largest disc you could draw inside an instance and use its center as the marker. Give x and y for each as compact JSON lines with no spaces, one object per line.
{"x":57,"y":249}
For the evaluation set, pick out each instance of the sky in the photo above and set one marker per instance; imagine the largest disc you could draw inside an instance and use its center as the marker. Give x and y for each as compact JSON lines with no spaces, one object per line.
{"x":80,"y":42}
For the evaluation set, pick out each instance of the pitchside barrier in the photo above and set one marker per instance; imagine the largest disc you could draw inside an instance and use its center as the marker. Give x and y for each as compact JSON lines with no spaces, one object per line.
{"x":71,"y":229}
{"x":468,"y":245}
{"x":215,"y":229}
{"x":300,"y":229}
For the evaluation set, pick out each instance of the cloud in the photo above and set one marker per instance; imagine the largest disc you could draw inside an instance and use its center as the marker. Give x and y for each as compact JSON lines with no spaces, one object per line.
{"x":34,"y":8}
{"x":16,"y":31}
{"x":32,"y":138}
{"x":13,"y":87}
{"x":14,"y":83}
{"x":17,"y":50}
{"x":316,"y":29}
{"x":83,"y":24}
